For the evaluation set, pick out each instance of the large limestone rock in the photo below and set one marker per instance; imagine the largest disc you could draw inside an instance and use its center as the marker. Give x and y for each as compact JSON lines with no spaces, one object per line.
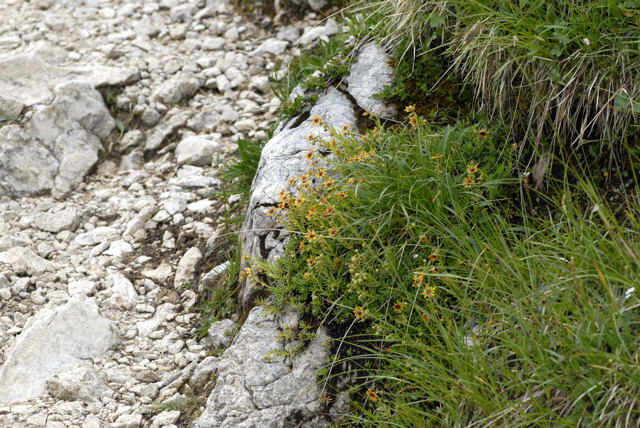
{"x":54,"y":341}
{"x":369,"y":75}
{"x":282,"y":158}
{"x":57,"y":142}
{"x":256,"y":388}
{"x":31,"y":78}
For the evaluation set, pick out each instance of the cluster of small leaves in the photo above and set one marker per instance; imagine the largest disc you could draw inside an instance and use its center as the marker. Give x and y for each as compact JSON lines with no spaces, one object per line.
{"x":323,"y":65}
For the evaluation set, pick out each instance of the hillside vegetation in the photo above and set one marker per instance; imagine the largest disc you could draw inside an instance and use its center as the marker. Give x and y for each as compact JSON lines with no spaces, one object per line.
{"x":477,"y":260}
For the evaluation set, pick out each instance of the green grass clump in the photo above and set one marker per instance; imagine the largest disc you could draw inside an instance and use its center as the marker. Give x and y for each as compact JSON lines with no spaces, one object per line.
{"x":239,"y":175}
{"x":312,"y":72}
{"x":457,"y":306}
{"x":557,"y":71}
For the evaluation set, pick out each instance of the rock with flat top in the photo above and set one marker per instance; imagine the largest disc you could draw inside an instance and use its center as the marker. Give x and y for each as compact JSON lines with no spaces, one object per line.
{"x":54,"y":341}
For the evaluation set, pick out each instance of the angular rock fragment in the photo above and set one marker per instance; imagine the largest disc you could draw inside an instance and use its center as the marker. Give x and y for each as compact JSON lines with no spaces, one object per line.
{"x":23,"y":261}
{"x":53,"y":341}
{"x":369,"y":76}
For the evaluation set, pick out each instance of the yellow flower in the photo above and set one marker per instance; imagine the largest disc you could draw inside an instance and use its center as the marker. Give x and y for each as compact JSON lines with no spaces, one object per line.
{"x":358,"y":311}
{"x":483,"y":133}
{"x":413,"y":120}
{"x":418,"y":279}
{"x":351,"y":180}
{"x":311,"y":235}
{"x":333,"y":231}
{"x":271,"y":211}
{"x":365,"y":113}
{"x":434,"y":269}
{"x":311,"y":213}
{"x":469,"y":181}
{"x":429,"y":292}
{"x":311,"y":137}
{"x":311,"y":261}
{"x":302,"y":246}
{"x":306,"y":275}
{"x":438,"y":156}
{"x":410,"y":109}
{"x":345,"y":128}
{"x":425,"y":317}
{"x":472,"y":168}
{"x":321,"y":173}
{"x":292,"y":181}
{"x":398,"y":307}
{"x":433,"y":257}
{"x":245,"y":273}
{"x":309,"y":154}
{"x":372,"y":395}
{"x":341,"y":195}
{"x":315,"y":120}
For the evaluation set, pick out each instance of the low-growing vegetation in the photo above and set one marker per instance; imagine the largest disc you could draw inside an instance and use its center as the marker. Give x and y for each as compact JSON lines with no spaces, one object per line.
{"x":476,"y":260}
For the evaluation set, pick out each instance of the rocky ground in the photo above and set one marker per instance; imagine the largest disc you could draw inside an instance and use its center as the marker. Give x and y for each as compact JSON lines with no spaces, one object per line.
{"x":109,"y":204}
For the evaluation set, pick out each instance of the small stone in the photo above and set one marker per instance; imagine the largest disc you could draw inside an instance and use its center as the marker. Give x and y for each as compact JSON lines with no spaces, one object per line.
{"x":96,"y":236}
{"x":245,"y":125}
{"x":220,"y":333}
{"x":200,"y":206}
{"x":179,"y":88}
{"x":67,"y":219}
{"x":84,"y":286}
{"x":128,"y":421}
{"x":271,"y":46}
{"x":196,"y":150}
{"x":213,"y":43}
{"x":165,"y":418}
{"x":91,"y":421}
{"x":23,"y":261}
{"x":174,"y":206}
{"x":187,"y":266}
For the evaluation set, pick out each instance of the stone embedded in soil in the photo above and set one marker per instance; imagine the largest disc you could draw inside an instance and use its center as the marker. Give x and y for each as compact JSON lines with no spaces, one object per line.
{"x":370,"y":75}
{"x":196,"y":150}
{"x":54,"y":340}
{"x":79,"y":384}
{"x":23,"y":261}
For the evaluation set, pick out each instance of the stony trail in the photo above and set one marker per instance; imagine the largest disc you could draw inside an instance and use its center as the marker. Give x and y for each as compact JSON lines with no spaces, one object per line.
{"x":116,"y":118}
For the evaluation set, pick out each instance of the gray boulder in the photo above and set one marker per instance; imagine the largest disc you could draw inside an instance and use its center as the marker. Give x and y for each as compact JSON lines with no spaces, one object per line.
{"x":57,"y":143}
{"x":369,"y":75}
{"x":54,"y":341}
{"x":256,"y":388}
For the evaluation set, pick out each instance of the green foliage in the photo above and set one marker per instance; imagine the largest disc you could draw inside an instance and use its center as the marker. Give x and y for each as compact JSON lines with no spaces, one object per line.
{"x":352,"y":235}
{"x":240,"y":175}
{"x":458,"y":305}
{"x":551,"y":69}
{"x":314,"y":70}
{"x":219,"y":301}
{"x":437,"y":95}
